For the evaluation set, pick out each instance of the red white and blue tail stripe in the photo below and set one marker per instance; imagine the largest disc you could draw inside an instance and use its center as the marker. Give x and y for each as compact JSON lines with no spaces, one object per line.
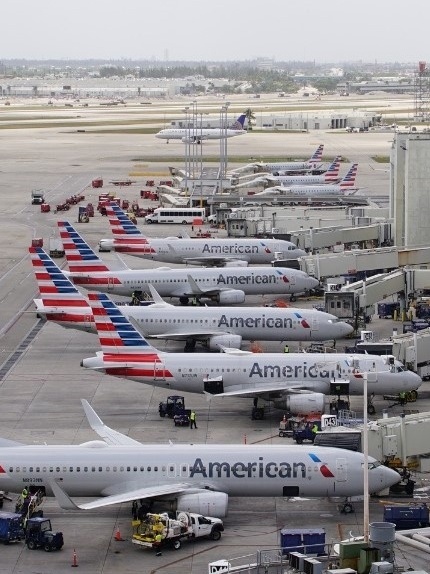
{"x":316,"y":157}
{"x":127,"y":237}
{"x":332,"y":173}
{"x":55,"y":288}
{"x":349,"y":179}
{"x":114,"y":329}
{"x":80,"y":257}
{"x":121,"y":226}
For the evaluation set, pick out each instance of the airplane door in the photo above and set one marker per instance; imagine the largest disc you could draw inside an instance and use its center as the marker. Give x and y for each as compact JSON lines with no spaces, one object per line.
{"x":159,"y":370}
{"x":171,"y":471}
{"x":341,"y":470}
{"x":110,"y":283}
{"x":314,"y":324}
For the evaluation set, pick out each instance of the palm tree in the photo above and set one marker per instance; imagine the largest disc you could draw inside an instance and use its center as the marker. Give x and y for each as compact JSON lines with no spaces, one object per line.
{"x":250,"y":117}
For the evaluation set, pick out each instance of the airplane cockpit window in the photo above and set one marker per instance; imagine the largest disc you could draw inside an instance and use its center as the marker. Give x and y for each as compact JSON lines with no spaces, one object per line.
{"x":372,"y":465}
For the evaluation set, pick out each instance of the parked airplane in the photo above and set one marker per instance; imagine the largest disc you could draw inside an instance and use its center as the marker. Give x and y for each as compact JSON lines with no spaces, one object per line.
{"x":61,"y":302}
{"x":346,"y":183}
{"x":331,"y":175}
{"x":291,"y":166}
{"x":207,"y":251}
{"x":294,"y":382}
{"x":194,"y":477}
{"x":199,"y":134}
{"x":226,"y":286}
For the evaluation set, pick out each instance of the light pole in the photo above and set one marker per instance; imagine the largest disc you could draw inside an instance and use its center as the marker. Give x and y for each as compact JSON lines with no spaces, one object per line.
{"x":187,"y":148}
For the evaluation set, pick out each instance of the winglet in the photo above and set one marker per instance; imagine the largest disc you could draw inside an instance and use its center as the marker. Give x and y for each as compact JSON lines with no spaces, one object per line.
{"x":62,"y":497}
{"x":158,"y":300}
{"x":110,"y":436}
{"x":194,"y":287}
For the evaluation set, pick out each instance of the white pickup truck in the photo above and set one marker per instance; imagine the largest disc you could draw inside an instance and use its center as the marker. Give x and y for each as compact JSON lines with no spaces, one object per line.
{"x":159,"y":530}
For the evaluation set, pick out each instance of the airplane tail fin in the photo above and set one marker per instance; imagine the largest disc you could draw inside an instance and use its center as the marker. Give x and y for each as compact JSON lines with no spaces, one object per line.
{"x":332,"y":172}
{"x":55,"y":288}
{"x":121,"y":225}
{"x":117,"y":335}
{"x":80,"y":257}
{"x":238,"y":124}
{"x":349,"y":179}
{"x":316,"y":157}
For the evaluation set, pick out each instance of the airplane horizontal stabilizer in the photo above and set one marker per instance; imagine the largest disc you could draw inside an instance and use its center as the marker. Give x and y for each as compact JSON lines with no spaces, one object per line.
{"x":110,"y":436}
{"x":67,"y":503}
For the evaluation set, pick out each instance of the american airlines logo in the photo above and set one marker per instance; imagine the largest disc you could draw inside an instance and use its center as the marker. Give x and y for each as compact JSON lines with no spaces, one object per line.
{"x":235,"y":249}
{"x":257,"y":469}
{"x":263,"y":322}
{"x":302,"y":371}
{"x":262,"y":279}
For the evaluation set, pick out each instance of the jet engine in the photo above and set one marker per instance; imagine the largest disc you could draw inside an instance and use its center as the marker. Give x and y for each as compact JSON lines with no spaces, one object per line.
{"x":230,"y":297}
{"x":204,"y":502}
{"x":301,"y":403}
{"x":227,"y":340}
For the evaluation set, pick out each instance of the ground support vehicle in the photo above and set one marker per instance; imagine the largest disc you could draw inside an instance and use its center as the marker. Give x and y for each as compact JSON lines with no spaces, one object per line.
{"x":39,"y":534}
{"x":159,"y":530}
{"x":304,"y":432}
{"x":37,"y":197}
{"x":56,"y":248}
{"x":175,"y":404}
{"x":11,"y":529}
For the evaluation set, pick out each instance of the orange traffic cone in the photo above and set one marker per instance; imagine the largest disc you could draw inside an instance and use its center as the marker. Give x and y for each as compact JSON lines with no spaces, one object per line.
{"x":118,"y":536}
{"x":75,"y":559}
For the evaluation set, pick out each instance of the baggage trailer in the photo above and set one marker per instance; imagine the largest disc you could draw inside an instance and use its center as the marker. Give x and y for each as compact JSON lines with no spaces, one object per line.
{"x":11,"y":529}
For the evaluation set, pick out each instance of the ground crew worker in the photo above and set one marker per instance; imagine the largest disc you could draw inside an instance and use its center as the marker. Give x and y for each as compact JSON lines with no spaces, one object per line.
{"x":402,"y":397}
{"x":193,"y":420}
{"x":286,"y":349}
{"x":314,"y":431}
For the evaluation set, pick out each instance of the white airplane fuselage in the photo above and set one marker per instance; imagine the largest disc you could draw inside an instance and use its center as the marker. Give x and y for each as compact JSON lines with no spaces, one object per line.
{"x":242,"y":371}
{"x":177,"y":250}
{"x":95,"y":469}
{"x":311,"y":190}
{"x":198,"y":134}
{"x":249,"y":323}
{"x":175,"y":282}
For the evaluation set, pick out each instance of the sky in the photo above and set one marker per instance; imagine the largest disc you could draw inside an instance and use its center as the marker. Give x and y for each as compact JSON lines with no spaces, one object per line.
{"x":163,"y":30}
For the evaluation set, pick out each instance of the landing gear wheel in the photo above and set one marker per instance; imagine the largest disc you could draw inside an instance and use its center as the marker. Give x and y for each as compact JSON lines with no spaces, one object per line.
{"x":412,"y":396}
{"x":347,"y":508}
{"x":257,"y":414}
{"x":183,"y":300}
{"x":371,"y":410}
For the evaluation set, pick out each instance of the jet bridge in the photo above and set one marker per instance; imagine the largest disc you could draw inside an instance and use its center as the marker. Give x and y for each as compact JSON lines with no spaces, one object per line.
{"x":400,"y":441}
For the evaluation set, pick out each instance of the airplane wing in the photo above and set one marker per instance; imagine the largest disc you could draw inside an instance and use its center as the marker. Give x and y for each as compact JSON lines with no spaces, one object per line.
{"x":262,"y":389}
{"x":7,"y":442}
{"x":178,"y":336}
{"x":109,"y":435}
{"x":211,"y":261}
{"x":67,"y":503}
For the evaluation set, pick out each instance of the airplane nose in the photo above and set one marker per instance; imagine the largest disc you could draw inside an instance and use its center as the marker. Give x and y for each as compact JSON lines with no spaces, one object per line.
{"x":346,"y":329}
{"x":388,"y":477}
{"x":312,"y":283}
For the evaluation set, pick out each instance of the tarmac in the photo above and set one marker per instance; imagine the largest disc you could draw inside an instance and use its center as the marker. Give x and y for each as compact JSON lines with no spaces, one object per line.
{"x":41,"y":381}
